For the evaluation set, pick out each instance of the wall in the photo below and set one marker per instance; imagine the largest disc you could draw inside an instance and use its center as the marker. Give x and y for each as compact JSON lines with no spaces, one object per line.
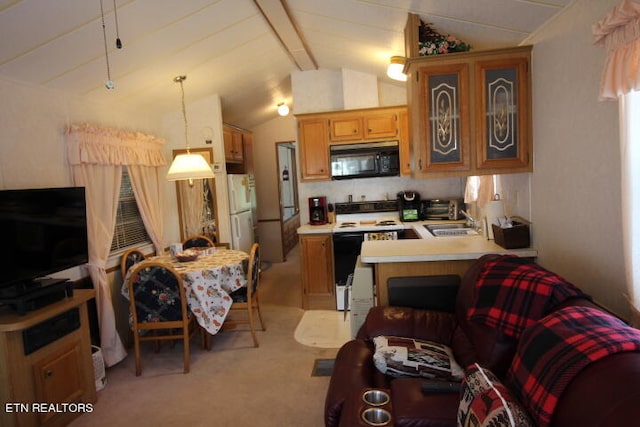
{"x":265,"y":137}
{"x":32,"y":123}
{"x":576,"y":180}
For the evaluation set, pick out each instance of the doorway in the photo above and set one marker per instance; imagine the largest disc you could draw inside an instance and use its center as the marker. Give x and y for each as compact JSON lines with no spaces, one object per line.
{"x":288,"y":194}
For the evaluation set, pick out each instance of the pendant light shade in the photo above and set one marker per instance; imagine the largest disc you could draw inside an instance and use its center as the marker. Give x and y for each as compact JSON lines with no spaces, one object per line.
{"x":396,"y":68}
{"x":188,"y":166}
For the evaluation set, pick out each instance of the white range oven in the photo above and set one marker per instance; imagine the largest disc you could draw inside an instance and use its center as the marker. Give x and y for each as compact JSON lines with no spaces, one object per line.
{"x":355,"y":223}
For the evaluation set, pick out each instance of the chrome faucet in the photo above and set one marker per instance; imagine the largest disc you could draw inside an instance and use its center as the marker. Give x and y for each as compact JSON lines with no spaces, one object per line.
{"x":472,"y":222}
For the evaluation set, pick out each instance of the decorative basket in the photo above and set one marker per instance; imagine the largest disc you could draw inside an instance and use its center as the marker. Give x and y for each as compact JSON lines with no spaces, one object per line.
{"x":513,"y":237}
{"x":187,"y":256}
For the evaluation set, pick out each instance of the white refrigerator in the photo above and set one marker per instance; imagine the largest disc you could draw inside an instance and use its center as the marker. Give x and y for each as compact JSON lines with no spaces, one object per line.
{"x":241,"y":209}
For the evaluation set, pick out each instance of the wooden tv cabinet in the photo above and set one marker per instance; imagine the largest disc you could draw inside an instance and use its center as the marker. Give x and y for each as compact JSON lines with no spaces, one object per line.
{"x":53,"y":384}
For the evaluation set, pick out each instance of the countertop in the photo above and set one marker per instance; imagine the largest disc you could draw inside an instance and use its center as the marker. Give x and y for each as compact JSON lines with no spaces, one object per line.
{"x":427,"y":248}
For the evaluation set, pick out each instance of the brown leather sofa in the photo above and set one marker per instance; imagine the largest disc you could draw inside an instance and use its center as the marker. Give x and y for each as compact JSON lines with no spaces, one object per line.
{"x":605,"y":393}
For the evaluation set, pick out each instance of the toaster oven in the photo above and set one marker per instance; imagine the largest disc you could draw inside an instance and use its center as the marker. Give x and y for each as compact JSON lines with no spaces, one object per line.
{"x":441,"y":209}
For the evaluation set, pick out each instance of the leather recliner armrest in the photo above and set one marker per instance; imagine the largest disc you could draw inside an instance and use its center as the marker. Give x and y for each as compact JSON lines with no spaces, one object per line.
{"x":409,"y":322}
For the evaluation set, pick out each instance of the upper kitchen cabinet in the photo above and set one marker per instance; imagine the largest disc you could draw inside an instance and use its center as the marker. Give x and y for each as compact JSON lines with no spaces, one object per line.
{"x":503,"y":122}
{"x":314,"y":149}
{"x":345,"y":128}
{"x":317,"y":131}
{"x":470,"y":112}
{"x":237,"y":149}
{"x":443,"y":119}
{"x":364,"y":125}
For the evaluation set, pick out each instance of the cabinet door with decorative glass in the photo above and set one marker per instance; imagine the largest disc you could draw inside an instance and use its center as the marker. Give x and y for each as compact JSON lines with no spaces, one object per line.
{"x":444,"y":98}
{"x":502,"y":121}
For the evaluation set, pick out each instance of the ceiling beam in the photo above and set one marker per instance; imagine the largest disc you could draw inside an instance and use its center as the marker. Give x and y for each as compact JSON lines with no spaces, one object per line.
{"x":277,"y":15}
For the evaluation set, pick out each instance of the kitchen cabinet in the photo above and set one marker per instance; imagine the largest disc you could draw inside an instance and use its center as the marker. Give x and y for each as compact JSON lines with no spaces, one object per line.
{"x":318,"y":288}
{"x":405,"y":138}
{"x":233,"y":147}
{"x":345,"y":128}
{"x":381,"y":125}
{"x":470,"y":112}
{"x":443,"y":121}
{"x":316,"y":131}
{"x":314,"y":149}
{"x":367,"y":125}
{"x":503,"y":112}
{"x":238,"y":149}
{"x":45,"y":358}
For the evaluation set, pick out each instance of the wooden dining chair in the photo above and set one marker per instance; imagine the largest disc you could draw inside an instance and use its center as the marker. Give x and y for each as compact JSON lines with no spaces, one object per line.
{"x":198,"y":241}
{"x":224,"y":245}
{"x":129,"y":258}
{"x":246,"y":299}
{"x":159,"y":309}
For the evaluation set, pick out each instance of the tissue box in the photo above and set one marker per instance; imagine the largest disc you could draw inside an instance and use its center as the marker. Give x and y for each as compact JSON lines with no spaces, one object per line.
{"x":512,"y":238}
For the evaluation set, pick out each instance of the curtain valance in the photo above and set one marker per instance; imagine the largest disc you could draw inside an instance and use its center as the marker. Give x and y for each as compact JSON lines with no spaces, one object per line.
{"x":88,"y":144}
{"x":619,"y":32}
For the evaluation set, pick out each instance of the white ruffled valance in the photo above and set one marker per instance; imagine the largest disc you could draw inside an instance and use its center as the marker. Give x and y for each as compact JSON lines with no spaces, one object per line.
{"x":619,"y":32}
{"x":88,"y":144}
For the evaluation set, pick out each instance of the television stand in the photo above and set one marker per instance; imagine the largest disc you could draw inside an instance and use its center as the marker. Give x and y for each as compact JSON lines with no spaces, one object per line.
{"x":39,"y":293}
{"x":36,"y":386}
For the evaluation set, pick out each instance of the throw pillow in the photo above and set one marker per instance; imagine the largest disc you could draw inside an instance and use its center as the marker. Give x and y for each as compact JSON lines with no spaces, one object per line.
{"x":486,"y":402}
{"x":400,"y":357}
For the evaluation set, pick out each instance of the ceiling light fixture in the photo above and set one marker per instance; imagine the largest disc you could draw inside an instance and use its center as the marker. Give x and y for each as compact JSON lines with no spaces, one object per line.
{"x":396,"y":67}
{"x":188,"y":166}
{"x":283,"y":109}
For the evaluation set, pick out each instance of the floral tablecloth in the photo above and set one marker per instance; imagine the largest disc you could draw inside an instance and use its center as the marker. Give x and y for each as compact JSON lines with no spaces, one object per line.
{"x":208,"y":281}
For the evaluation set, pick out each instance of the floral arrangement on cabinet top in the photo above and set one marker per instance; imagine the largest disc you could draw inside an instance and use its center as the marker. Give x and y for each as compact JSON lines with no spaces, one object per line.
{"x":430,"y":42}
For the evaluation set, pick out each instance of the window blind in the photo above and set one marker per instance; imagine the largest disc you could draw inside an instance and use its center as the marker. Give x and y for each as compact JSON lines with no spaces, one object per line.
{"x":129,"y":230}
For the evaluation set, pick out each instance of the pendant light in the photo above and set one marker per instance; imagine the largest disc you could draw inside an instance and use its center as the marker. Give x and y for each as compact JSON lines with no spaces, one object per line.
{"x":188,"y":166}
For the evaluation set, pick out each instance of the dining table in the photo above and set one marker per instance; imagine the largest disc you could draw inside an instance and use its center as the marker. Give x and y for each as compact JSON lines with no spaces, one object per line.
{"x":208,"y":282}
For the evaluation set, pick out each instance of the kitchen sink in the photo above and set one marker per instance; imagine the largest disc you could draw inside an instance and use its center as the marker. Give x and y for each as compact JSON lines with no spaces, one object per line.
{"x":450,"y":230}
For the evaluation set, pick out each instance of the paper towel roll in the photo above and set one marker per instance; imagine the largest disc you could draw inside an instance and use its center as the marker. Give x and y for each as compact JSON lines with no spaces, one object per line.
{"x":495,"y":210}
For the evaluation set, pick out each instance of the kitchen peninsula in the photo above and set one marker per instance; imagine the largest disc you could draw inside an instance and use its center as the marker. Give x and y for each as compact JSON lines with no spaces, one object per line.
{"x":420,"y":255}
{"x":427,"y":256}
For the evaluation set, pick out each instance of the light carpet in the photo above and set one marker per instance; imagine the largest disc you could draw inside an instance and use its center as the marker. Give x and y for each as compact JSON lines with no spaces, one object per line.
{"x":232,"y":385}
{"x":323,"y":329}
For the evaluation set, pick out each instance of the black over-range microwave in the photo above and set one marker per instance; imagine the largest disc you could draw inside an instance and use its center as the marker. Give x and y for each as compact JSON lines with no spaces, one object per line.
{"x":365,"y":160}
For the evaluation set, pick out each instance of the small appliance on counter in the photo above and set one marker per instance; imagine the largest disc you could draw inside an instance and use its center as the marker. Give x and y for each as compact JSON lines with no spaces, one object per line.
{"x":441,"y":209}
{"x":409,"y":206}
{"x":318,"y":210}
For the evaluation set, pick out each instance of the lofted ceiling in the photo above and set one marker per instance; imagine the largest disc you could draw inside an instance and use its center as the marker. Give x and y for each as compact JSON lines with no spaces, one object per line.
{"x":242,"y":50}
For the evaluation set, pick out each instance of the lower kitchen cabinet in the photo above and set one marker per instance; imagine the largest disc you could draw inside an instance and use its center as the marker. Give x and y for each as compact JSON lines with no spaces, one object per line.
{"x":318,"y":289}
{"x":46,"y":368}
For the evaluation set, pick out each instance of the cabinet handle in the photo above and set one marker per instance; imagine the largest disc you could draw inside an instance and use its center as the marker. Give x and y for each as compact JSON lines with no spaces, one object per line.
{"x":48,"y":373}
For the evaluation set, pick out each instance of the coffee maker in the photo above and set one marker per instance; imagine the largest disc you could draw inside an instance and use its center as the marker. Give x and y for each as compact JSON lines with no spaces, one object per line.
{"x":318,"y":210}
{"x":409,"y":205}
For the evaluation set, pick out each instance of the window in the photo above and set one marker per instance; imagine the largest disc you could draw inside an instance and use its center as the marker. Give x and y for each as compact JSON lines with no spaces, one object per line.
{"x":129,"y":230}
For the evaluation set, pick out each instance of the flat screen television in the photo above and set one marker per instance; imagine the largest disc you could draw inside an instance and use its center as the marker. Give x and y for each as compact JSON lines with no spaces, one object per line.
{"x":42,"y":231}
